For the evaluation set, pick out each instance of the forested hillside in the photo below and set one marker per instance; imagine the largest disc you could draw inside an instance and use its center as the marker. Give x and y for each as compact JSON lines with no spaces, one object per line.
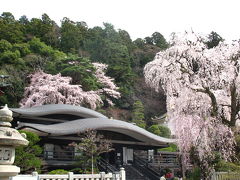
{"x":40,"y":45}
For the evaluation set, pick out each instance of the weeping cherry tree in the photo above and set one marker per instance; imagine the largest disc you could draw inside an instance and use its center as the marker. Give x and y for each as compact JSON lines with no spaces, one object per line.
{"x":202,"y":89}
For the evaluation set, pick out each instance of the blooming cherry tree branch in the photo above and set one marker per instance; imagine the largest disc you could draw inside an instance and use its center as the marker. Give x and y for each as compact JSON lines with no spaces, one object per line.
{"x":202,"y":88}
{"x":55,"y":89}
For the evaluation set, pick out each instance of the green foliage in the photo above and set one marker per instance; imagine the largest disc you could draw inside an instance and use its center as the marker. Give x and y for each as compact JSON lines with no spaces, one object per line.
{"x":14,"y":92}
{"x":118,"y":58}
{"x":138,"y":114}
{"x":10,"y":29}
{"x":58,"y":171}
{"x":213,"y":39}
{"x":35,"y":61}
{"x":47,"y":52}
{"x":58,"y":55}
{"x":223,"y":166}
{"x":160,"y":130}
{"x":154,"y":129}
{"x":9,"y":54}
{"x":139,"y":43}
{"x":86,"y":171}
{"x":39,"y":43}
{"x":45,"y":29}
{"x":171,"y":148}
{"x":27,"y":157}
{"x":81,"y":70}
{"x":9,"y":57}
{"x":108,"y":46}
{"x":126,"y":40}
{"x":39,"y":47}
{"x":143,"y":54}
{"x":159,"y":40}
{"x":5,"y":46}
{"x":195,"y":174}
{"x":237,"y":148}
{"x":23,"y":48}
{"x":165,"y":131}
{"x":72,"y":36}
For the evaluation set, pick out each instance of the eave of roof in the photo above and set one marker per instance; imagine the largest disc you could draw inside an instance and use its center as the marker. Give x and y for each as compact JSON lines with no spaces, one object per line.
{"x":81,"y":125}
{"x":57,"y":109}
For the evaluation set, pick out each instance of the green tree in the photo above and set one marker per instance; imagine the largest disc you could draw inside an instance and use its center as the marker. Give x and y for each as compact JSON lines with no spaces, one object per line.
{"x":119,"y":66}
{"x":148,"y":40}
{"x":138,"y":114}
{"x":23,"y":48}
{"x":108,"y":46}
{"x":213,"y":39}
{"x":39,"y":47}
{"x":9,"y":57}
{"x":27,"y":157}
{"x":23,"y":20}
{"x":10,"y":29}
{"x":5,"y":45}
{"x":72,"y":36}
{"x":110,"y":33}
{"x":81,"y":70}
{"x":170,"y":148}
{"x":126,"y":39}
{"x":143,"y":54}
{"x":159,"y":40}
{"x":160,"y":130}
{"x":17,"y":76}
{"x":154,"y":129}
{"x":139,"y":43}
{"x":45,"y":29}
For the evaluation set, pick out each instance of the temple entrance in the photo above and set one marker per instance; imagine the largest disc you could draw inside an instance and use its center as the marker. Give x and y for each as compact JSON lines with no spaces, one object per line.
{"x":127,"y":155}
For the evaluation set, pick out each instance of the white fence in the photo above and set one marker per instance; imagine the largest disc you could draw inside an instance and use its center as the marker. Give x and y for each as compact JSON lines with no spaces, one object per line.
{"x":225,"y":176}
{"x":70,"y":176}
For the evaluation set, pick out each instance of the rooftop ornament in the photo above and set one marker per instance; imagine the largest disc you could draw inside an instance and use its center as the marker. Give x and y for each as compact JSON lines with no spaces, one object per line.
{"x":9,"y":139}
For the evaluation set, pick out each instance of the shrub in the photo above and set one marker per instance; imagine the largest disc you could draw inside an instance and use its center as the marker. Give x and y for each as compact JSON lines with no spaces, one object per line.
{"x":224,"y":166}
{"x":58,"y":171}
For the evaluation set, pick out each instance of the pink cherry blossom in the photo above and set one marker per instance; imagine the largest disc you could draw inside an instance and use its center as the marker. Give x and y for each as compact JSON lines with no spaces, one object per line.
{"x":55,"y":89}
{"x":201,"y":86}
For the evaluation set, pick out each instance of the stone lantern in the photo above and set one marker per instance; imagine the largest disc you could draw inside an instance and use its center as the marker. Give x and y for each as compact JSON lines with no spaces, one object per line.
{"x":9,"y":139}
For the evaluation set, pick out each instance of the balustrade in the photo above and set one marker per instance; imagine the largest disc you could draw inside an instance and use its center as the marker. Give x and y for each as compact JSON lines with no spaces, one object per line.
{"x":70,"y":176}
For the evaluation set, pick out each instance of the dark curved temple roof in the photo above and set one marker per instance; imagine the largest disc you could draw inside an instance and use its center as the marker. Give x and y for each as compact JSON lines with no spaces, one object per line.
{"x":57,"y":109}
{"x":91,"y":120}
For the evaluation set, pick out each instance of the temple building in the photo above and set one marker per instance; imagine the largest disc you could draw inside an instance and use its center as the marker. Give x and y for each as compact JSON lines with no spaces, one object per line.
{"x":58,"y":125}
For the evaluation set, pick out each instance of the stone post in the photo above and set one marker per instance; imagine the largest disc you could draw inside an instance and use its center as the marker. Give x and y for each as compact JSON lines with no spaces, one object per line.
{"x":122,"y":173}
{"x":102,"y":174}
{"x":70,"y":175}
{"x":9,"y":139}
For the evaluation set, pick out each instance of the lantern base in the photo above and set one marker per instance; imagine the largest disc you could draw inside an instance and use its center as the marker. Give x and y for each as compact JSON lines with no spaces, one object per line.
{"x":7,"y":171}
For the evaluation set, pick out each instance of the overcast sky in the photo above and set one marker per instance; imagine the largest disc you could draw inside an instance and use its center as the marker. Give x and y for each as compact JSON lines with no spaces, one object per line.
{"x":140,"y":18}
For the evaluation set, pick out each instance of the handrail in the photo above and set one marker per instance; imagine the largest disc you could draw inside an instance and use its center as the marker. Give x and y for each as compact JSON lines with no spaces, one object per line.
{"x":162,"y":160}
{"x":107,"y":167}
{"x":145,"y":168}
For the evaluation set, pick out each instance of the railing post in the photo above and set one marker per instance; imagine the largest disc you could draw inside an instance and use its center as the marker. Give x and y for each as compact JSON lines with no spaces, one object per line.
{"x":102,"y":175}
{"x":35,"y":173}
{"x":70,"y":175}
{"x":122,"y":173}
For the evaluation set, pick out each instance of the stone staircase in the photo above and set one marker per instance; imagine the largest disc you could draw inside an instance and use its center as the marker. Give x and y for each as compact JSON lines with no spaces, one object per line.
{"x":133,"y":174}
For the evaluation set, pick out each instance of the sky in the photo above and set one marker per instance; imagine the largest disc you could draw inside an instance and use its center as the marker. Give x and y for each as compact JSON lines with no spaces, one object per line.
{"x":140,"y":18}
